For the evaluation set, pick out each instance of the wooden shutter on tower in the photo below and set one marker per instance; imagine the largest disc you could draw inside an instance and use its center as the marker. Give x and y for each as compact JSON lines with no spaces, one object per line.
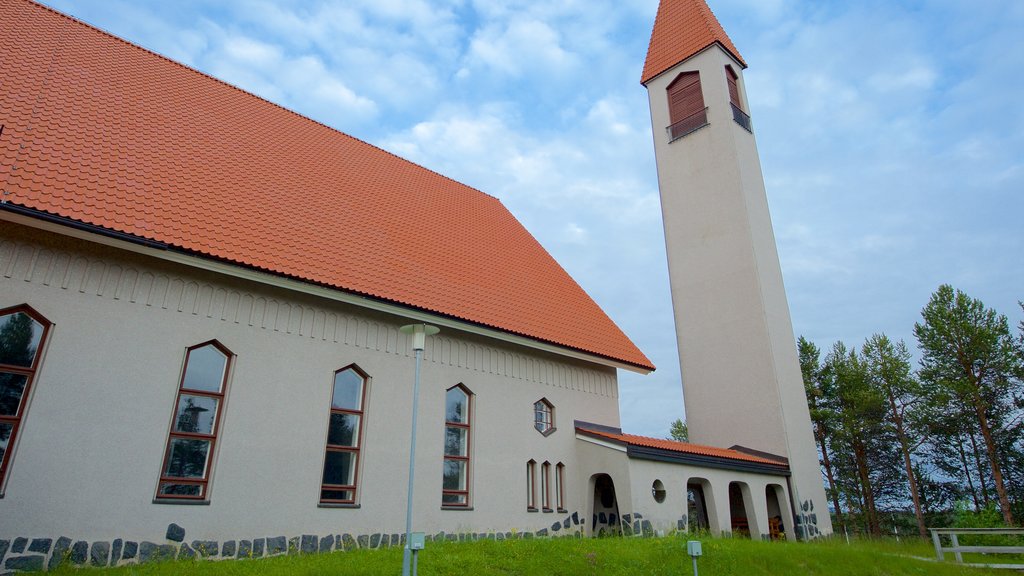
{"x":741,"y":117}
{"x":686,"y":110}
{"x":734,"y":91}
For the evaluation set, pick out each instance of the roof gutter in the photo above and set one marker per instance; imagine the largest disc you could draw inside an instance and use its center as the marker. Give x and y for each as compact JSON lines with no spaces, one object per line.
{"x":97,"y":234}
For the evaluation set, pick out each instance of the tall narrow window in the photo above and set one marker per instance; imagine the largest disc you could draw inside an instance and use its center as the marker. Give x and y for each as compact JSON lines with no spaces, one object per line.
{"x":22,"y":334}
{"x":545,"y":485}
{"x":741,"y":117}
{"x":686,"y":109}
{"x":455,"y":482}
{"x":195,"y":423}
{"x":544,"y":416}
{"x":560,"y":487}
{"x":531,"y":486}
{"x":344,"y":435}
{"x":734,"y":90}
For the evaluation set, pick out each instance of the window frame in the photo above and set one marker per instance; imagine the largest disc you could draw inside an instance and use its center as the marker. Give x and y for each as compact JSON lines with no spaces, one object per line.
{"x":30,"y":373}
{"x":357,"y":449}
{"x":545,"y":486}
{"x":213,"y":437}
{"x":544,"y":417}
{"x":687,"y":110}
{"x":467,"y":459}
{"x":560,"y":487}
{"x":739,"y":114}
{"x":531,"y":485}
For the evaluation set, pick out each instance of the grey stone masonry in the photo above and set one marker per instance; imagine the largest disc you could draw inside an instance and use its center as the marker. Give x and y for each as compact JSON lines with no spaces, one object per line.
{"x":99,"y":555}
{"x":24,"y":554}
{"x":32,"y":562}
{"x":175,"y":533}
{"x":40,"y":545}
{"x":60,"y":551}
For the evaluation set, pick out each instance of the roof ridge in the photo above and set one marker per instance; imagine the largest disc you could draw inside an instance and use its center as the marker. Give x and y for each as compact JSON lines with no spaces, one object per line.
{"x":82,"y":22}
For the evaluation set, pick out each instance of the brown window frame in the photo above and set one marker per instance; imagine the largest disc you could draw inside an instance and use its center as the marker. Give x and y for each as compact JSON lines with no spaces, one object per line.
{"x":531,"y":485}
{"x":357,"y":449}
{"x":739,"y":115}
{"x":560,"y":487}
{"x":468,"y":427}
{"x":30,"y":375}
{"x":203,"y":483}
{"x":545,"y":486}
{"x":544,"y":417}
{"x":731,"y":78}
{"x":686,"y":108}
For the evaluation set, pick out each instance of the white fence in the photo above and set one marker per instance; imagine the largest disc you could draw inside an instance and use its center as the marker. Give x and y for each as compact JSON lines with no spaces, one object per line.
{"x":958,"y":550}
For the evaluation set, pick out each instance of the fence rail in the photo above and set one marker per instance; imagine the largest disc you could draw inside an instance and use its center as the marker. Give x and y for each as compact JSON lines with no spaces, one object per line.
{"x":957,"y":550}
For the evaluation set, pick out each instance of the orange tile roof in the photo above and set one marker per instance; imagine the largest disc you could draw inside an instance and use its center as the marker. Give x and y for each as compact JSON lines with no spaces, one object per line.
{"x":105,"y":133}
{"x":683,"y":28}
{"x":680,"y":447}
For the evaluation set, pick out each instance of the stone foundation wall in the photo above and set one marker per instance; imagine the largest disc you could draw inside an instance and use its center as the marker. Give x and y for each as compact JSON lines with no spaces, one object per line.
{"x":33,"y":554}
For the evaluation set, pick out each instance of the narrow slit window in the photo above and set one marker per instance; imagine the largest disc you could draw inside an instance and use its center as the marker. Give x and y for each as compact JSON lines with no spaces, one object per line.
{"x":22,"y":335}
{"x":344,"y":437}
{"x":545,"y":485}
{"x":195,"y":424}
{"x":457,"y":437}
{"x":560,"y":487}
{"x":531,"y":486}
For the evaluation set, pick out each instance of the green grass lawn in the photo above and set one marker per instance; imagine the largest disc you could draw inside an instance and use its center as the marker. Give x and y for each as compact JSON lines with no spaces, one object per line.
{"x":611,"y":556}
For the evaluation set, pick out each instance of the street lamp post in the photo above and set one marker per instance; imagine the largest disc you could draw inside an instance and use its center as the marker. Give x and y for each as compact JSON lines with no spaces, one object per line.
{"x":419,"y":334}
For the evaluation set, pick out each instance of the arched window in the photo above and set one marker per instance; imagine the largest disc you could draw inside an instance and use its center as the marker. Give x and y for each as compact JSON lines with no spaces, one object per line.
{"x":195,"y":423}
{"x":344,"y":437}
{"x":23,"y":333}
{"x":457,"y":422}
{"x":544,"y":416}
{"x":686,"y":111}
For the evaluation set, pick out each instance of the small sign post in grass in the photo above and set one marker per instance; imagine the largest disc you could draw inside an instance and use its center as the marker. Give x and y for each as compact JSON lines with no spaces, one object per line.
{"x":694,"y":550}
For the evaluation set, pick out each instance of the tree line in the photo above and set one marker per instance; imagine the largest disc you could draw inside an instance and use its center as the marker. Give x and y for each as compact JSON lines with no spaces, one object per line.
{"x":941,"y":434}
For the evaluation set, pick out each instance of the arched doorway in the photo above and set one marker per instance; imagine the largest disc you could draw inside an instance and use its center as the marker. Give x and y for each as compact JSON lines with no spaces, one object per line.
{"x":738,"y":511}
{"x":605,"y":519}
{"x":696,"y":508}
{"x":779,"y":524}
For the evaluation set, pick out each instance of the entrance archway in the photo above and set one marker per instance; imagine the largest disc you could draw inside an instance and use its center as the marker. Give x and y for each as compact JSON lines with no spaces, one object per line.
{"x":779,"y":523}
{"x":739,"y":498}
{"x":696,"y":507}
{"x":605,"y":520}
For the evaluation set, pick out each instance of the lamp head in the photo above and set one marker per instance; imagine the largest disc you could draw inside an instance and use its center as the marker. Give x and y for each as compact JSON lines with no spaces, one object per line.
{"x":419,"y":334}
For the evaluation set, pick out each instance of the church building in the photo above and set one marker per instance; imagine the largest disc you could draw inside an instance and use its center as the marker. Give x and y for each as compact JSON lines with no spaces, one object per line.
{"x":202,"y":297}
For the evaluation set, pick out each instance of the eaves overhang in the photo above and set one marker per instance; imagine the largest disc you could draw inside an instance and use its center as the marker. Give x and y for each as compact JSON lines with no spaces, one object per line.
{"x":658,"y":455}
{"x":41,"y":220}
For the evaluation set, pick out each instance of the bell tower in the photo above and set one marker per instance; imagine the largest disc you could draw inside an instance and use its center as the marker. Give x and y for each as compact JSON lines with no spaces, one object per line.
{"x":741,"y":376}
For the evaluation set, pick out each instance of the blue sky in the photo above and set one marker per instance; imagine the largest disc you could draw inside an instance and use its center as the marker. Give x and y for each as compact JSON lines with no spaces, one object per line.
{"x":890,"y":132}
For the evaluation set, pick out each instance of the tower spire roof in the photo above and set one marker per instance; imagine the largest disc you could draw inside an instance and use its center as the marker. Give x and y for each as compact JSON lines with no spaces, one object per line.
{"x":683,"y":28}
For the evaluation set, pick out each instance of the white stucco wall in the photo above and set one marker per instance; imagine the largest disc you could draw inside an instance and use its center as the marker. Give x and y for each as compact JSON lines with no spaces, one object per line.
{"x":741,"y":377}
{"x":91,"y":445}
{"x":666,"y":516}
